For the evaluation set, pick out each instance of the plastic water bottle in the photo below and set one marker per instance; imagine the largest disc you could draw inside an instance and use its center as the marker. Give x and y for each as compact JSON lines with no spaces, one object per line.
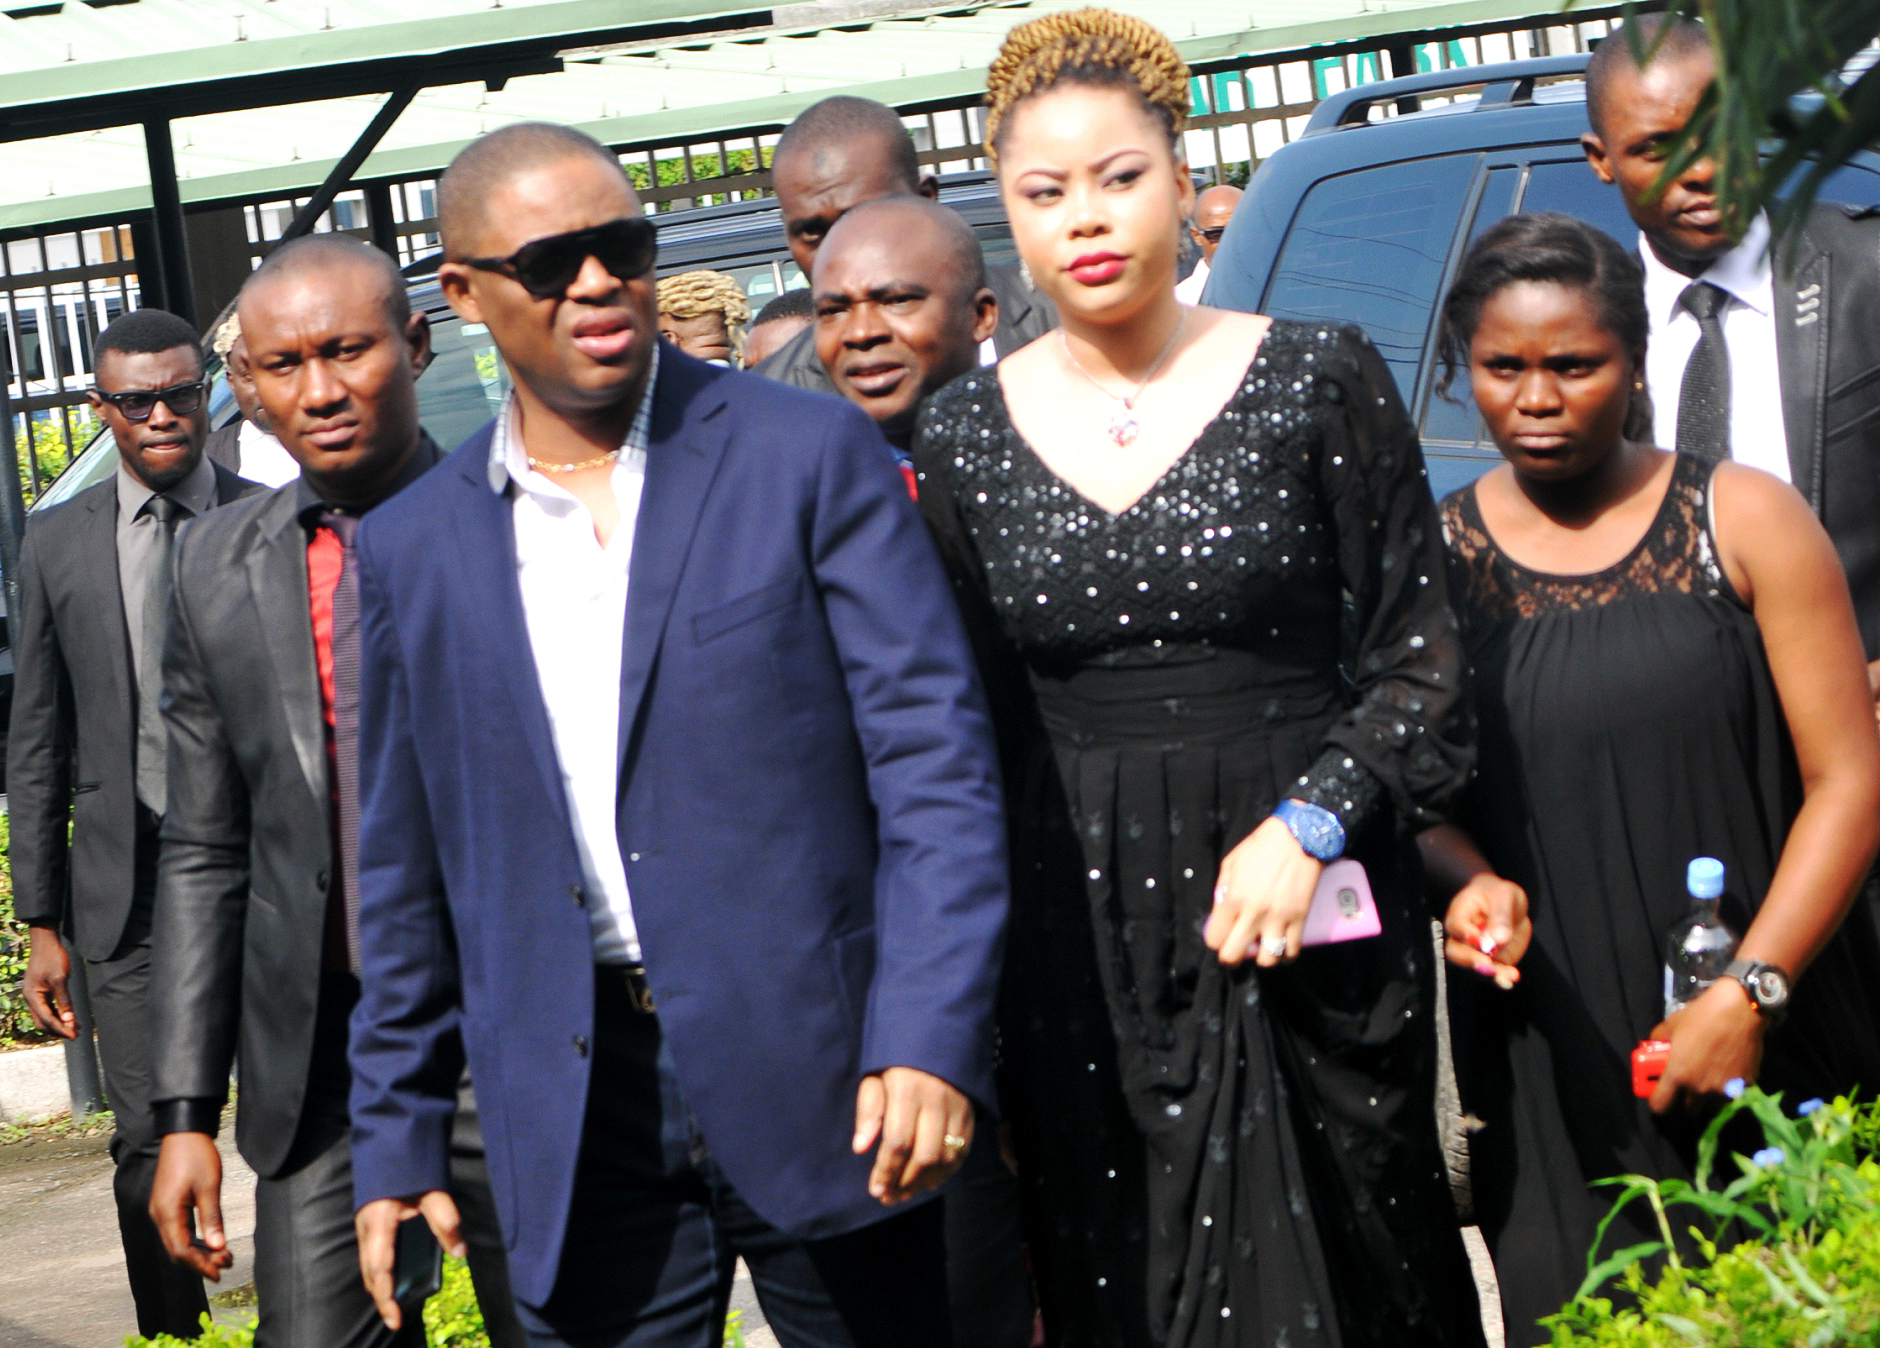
{"x":1700,"y":947}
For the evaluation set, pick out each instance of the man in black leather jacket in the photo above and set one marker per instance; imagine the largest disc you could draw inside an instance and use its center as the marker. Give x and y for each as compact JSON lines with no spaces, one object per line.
{"x":837,"y":154}
{"x":1818,"y":311}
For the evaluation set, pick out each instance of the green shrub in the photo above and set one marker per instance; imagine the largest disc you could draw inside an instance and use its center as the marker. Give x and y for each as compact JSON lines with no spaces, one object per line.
{"x":213,"y":1336}
{"x":451,"y":1320}
{"x":1808,"y":1277}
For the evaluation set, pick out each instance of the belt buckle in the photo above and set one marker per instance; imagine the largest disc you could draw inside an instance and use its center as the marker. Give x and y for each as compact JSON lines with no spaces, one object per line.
{"x":639,"y":992}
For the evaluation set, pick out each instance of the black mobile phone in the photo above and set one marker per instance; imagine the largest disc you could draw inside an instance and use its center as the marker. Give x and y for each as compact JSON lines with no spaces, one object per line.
{"x":417,"y":1266}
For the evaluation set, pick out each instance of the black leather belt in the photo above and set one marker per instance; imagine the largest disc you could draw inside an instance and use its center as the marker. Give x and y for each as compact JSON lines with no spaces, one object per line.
{"x":629,"y":980}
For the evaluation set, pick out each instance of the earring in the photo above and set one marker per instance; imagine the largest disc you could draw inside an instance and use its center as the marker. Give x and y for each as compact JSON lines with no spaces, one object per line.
{"x":1638,"y":386}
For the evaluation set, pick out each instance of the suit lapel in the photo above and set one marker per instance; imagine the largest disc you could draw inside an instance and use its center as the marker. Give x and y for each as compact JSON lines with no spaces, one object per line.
{"x":687,"y":444}
{"x":277,"y":578}
{"x":1801,"y":310}
{"x":98,"y":555}
{"x":486,"y":551}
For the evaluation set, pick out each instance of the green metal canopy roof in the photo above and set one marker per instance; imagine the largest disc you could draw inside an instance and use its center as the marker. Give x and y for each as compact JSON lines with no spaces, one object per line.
{"x":245,"y":80}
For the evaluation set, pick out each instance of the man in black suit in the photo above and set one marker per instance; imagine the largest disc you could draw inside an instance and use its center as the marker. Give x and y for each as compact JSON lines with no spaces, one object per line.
{"x":256,"y":926}
{"x":837,"y":154}
{"x":86,"y":745}
{"x":1752,"y":357}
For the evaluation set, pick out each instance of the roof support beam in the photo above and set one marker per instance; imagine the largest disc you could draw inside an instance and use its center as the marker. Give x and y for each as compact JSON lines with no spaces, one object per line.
{"x":349,"y":162}
{"x":177,"y":290}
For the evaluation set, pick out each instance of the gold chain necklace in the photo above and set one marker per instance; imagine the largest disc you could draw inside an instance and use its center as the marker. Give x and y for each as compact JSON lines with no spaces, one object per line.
{"x":546,"y":466}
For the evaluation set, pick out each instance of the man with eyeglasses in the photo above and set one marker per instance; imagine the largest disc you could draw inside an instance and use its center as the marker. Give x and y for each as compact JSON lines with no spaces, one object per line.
{"x":1213,"y":209}
{"x":681,"y":816}
{"x":86,"y":745}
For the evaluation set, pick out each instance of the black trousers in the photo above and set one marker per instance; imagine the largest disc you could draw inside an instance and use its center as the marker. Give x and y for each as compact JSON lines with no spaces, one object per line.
{"x":170,"y":1299}
{"x":656,"y":1230}
{"x":307,"y":1281}
{"x":987,"y":1284}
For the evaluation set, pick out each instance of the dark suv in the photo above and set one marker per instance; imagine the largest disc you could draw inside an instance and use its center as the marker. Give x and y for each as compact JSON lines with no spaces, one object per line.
{"x":1365,"y":218}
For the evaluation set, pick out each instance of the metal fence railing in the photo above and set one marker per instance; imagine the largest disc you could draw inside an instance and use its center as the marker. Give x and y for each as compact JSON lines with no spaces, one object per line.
{"x":59,"y":287}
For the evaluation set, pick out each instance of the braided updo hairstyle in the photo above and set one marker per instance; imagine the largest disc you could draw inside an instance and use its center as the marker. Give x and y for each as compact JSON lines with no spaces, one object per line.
{"x":693,"y":294}
{"x":1087,"y":46}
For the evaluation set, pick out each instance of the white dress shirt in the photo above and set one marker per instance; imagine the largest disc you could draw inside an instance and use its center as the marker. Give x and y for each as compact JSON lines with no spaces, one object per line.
{"x":574,"y":600}
{"x":1757,"y":433}
{"x":265,"y":459}
{"x":1189,"y":291}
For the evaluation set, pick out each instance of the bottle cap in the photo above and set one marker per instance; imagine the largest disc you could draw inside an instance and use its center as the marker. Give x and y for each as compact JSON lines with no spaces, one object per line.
{"x":1704,"y":877}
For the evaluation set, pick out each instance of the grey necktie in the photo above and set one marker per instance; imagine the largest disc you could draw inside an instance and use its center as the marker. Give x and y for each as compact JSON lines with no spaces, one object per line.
{"x":1704,"y":397}
{"x":152,"y":742}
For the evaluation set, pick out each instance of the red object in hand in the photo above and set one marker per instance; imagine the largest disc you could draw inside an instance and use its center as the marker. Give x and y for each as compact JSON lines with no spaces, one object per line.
{"x":1648,"y":1066}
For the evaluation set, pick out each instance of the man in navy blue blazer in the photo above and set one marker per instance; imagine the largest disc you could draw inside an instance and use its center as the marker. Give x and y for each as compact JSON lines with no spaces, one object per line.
{"x":680,"y":816}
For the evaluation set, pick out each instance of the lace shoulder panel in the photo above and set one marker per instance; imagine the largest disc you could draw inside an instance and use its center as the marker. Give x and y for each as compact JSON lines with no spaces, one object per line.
{"x":1676,"y":555}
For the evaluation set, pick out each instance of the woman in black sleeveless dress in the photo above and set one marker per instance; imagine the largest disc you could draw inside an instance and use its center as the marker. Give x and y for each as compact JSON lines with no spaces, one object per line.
{"x":1218,"y":1145}
{"x":1631,"y":669}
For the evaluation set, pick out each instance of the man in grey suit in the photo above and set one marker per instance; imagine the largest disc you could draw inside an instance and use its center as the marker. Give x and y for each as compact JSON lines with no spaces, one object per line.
{"x":86,"y":745}
{"x":256,"y":932}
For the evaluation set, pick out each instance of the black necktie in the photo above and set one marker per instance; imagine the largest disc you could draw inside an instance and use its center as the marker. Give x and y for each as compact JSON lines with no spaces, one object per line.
{"x":152,"y":742}
{"x":1704,"y":397}
{"x":346,"y":721}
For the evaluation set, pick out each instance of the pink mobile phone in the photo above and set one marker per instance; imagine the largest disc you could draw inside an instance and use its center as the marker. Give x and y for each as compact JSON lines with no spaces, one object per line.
{"x":1343,"y":908}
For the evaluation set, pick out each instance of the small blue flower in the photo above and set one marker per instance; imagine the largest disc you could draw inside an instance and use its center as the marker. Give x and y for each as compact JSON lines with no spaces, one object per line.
{"x":1768,"y":1156}
{"x":1734,"y":1088}
{"x":1808,"y":1107}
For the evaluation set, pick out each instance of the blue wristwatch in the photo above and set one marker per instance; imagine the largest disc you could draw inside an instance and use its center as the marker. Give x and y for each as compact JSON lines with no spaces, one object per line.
{"x":1315,"y":828}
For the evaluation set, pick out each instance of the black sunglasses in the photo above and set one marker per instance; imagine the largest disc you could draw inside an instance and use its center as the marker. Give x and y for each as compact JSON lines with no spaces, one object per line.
{"x":138,"y":404}
{"x":1212,"y":235}
{"x":547,"y":267}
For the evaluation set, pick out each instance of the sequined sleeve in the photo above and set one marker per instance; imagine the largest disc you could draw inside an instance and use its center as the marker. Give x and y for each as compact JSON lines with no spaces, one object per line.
{"x":1409,"y":737}
{"x":946,"y":418}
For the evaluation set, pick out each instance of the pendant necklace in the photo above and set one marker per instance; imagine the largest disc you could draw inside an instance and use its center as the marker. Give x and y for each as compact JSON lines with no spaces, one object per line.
{"x":1123,"y":426}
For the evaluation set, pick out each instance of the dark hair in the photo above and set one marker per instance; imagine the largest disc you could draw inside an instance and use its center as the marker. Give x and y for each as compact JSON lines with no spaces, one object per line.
{"x":316,"y":252}
{"x":144,"y":332}
{"x":1658,"y":36}
{"x":844,"y":119}
{"x":790,"y":304}
{"x":490,"y":161}
{"x":1566,"y":252}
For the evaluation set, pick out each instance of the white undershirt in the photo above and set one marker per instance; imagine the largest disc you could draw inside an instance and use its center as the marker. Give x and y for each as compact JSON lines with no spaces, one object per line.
{"x":1189,"y":291}
{"x":265,"y":459}
{"x":1758,"y":436}
{"x":574,"y":600}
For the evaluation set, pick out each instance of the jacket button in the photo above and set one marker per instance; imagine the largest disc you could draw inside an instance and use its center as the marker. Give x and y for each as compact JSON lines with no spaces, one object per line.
{"x":321,"y":881}
{"x":580,"y":1044}
{"x":579,"y":894}
{"x":633,"y":856}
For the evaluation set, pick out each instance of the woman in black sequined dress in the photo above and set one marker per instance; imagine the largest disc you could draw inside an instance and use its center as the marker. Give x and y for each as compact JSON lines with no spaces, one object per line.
{"x":1169,"y":528}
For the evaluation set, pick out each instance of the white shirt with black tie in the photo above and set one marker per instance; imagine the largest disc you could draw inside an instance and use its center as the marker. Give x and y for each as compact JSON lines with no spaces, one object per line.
{"x":1757,"y":433}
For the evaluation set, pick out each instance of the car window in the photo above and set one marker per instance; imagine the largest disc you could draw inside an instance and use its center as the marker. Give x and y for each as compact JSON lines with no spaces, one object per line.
{"x":1370,"y":248}
{"x":1570,"y":187}
{"x":464,"y":385}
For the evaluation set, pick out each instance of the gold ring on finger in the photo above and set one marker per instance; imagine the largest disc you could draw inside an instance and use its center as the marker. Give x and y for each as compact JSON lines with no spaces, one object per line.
{"x":954,"y":1145}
